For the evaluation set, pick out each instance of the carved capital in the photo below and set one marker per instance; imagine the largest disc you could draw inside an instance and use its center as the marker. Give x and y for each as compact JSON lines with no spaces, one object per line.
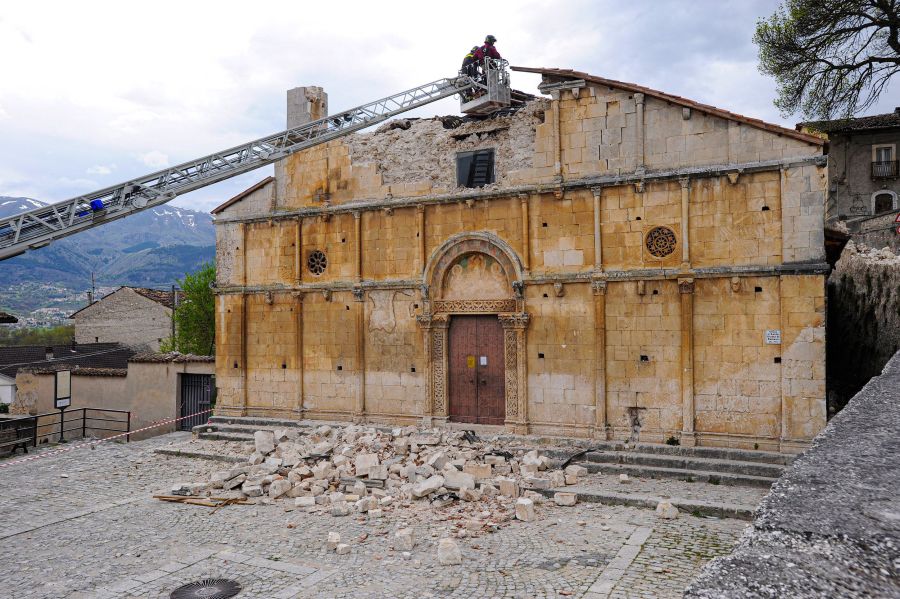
{"x":420,"y":208}
{"x":639,"y":186}
{"x":515,"y":320}
{"x":598,"y":286}
{"x":519,"y":289}
{"x":597,"y":191}
{"x":733,"y":176}
{"x":685,"y":182}
{"x":559,"y":289}
{"x":326,"y":293}
{"x":686,"y":286}
{"x":433,"y":321}
{"x":359,"y":294}
{"x":270,"y":298}
{"x":357,"y":214}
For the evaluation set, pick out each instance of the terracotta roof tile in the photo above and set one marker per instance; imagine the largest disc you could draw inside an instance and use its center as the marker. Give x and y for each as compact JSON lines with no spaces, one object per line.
{"x":706,"y":108}
{"x":875,"y":121}
{"x":171,"y":357}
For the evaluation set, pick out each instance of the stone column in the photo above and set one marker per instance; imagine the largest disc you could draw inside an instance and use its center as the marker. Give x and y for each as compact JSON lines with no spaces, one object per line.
{"x":557,"y":138}
{"x":639,"y":132}
{"x":434,"y":329}
{"x":516,"y":372}
{"x":298,"y":347}
{"x":420,"y":234}
{"x":526,"y":232}
{"x":357,"y":223}
{"x":685,"y":215}
{"x":600,"y":430}
{"x":359,"y":297}
{"x":245,"y":374}
{"x":686,"y":291}
{"x":598,"y":241}
{"x":298,"y":252}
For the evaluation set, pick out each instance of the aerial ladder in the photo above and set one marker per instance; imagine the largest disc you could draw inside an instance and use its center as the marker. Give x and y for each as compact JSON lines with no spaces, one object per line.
{"x":39,"y":227}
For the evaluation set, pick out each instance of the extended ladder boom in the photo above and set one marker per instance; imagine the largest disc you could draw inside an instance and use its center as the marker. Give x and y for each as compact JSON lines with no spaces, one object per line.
{"x":37,"y":228}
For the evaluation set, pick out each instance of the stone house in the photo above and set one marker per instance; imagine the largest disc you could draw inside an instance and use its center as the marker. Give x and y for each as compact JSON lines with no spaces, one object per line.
{"x":134,"y":316}
{"x":863,"y":176}
{"x":611,"y":261}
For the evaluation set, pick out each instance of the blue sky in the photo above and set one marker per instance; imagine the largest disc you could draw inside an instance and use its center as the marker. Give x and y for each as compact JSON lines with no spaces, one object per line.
{"x":94,"y":93}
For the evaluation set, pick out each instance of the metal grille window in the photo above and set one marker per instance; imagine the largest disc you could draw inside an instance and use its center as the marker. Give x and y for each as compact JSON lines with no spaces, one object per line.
{"x":475,"y":169}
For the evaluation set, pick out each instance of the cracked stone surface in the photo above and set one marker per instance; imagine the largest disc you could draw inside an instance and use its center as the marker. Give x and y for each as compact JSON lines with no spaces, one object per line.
{"x":99,"y":533}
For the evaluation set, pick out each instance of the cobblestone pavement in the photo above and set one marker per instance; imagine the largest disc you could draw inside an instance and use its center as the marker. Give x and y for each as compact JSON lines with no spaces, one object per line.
{"x":83,"y":524}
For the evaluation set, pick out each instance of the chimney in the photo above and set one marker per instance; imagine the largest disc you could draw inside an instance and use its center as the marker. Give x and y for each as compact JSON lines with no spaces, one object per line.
{"x":48,"y":353}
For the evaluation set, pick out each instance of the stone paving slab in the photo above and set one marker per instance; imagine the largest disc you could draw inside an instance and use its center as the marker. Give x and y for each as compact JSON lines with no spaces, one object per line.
{"x":109,"y":538}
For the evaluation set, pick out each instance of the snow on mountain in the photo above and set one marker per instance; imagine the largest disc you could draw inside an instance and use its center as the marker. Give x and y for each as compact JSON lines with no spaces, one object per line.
{"x":10,"y":206}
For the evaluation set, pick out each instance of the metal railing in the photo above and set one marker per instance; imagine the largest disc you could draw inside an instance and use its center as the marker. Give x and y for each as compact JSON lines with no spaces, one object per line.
{"x":78,"y":423}
{"x":884,"y":169}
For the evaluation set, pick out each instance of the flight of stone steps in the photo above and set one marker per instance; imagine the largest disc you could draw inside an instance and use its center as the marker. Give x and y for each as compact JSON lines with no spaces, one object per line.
{"x":713,"y":465}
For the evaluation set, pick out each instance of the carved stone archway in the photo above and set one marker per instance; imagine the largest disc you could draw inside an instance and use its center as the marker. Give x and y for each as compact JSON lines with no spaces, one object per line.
{"x":497,"y":260}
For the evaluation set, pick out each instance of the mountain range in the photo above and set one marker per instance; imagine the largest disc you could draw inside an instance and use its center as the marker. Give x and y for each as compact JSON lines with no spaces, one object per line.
{"x":152,"y":248}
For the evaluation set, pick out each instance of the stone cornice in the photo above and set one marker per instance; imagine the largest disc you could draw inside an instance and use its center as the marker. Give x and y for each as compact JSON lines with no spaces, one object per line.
{"x":357,"y":206}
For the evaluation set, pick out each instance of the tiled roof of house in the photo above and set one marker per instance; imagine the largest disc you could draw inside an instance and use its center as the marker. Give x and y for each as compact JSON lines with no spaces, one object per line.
{"x":159,"y":296}
{"x":705,"y":108}
{"x":78,"y":370}
{"x":171,"y":357}
{"x":863,"y":123}
{"x":85,"y":355}
{"x":241,"y":195}
{"x":7,"y":318}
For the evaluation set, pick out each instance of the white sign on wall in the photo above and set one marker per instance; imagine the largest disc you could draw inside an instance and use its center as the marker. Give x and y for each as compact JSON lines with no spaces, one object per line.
{"x":773,"y":336}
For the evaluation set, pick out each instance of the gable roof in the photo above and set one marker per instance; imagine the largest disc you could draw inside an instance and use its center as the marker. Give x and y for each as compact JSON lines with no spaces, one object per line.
{"x":84,"y":355}
{"x":863,"y":123}
{"x":705,"y":108}
{"x":159,"y":296}
{"x":241,"y":195}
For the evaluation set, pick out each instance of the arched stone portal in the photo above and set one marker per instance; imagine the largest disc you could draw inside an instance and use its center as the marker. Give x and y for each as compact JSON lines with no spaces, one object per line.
{"x":475,"y":274}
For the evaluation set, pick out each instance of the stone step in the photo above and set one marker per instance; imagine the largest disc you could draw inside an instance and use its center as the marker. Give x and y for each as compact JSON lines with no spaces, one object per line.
{"x":688,"y":506}
{"x":715,"y":478}
{"x":678,"y":462}
{"x":718,"y":453}
{"x":201,"y":455}
{"x":217,"y":436}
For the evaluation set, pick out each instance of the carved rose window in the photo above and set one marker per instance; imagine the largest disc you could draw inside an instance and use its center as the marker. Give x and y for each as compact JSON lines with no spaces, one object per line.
{"x":316,"y":262}
{"x":660,"y":241}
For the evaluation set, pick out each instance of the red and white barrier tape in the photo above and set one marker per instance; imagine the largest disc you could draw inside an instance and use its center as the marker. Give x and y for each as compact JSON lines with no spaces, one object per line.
{"x":96,"y":442}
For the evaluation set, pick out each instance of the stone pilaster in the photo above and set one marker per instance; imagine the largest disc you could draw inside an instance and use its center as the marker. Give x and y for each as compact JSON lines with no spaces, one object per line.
{"x":686,"y":291}
{"x":434,"y":328}
{"x":516,"y":372}
{"x":600,"y":427}
{"x":359,"y":297}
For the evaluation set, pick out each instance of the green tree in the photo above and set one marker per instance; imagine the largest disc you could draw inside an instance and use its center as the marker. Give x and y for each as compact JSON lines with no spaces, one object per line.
{"x":830,"y":57}
{"x":195,"y":316}
{"x":58,"y":335}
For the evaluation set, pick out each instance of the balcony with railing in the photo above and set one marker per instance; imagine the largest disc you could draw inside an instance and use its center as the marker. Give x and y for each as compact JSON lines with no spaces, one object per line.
{"x":885,"y":169}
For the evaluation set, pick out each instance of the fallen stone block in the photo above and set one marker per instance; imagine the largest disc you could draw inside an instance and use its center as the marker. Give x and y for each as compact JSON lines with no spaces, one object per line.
{"x":334,"y":538}
{"x":449,"y":553}
{"x":363,"y":461}
{"x":264,"y":442}
{"x":437,"y":460}
{"x":571,"y":479}
{"x":340,"y":509}
{"x":666,"y":510}
{"x":494,"y":459}
{"x":557,"y":478}
{"x":534,"y":496}
{"x":425,"y":438}
{"x":252,"y":490}
{"x":279,"y":488}
{"x":454,"y":479}
{"x":337,"y":497}
{"x":624,"y":479}
{"x":404,"y":539}
{"x":532,"y":482}
{"x":376,"y":513}
{"x":306,"y":501}
{"x":342,"y":549}
{"x":525,"y":510}
{"x":379,"y":472}
{"x":478,"y":471}
{"x":467,"y":494}
{"x":509,"y":487}
{"x":235,"y":482}
{"x":565,"y":499}
{"x":576,"y":470}
{"x":427,"y":486}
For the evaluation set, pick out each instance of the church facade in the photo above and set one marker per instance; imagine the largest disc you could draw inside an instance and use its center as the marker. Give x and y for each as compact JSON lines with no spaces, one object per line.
{"x":607,"y":261}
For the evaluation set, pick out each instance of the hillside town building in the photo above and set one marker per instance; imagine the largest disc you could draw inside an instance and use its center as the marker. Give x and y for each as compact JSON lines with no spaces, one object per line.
{"x":609,"y":261}
{"x":134,"y":316}
{"x":863,"y":176}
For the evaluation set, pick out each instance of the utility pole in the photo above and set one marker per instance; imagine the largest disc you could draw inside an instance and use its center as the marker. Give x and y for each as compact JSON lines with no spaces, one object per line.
{"x":174,"y":307}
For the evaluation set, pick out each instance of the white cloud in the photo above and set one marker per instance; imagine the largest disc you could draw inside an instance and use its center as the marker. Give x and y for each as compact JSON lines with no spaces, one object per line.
{"x":100,"y":169}
{"x":154,"y":159}
{"x":85,"y":184}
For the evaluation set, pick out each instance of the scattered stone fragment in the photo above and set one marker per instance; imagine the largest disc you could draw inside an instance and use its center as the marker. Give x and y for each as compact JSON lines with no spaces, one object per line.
{"x":334,"y":538}
{"x":305,"y":502}
{"x":566,"y":499}
{"x":342,"y":549}
{"x":340,"y":509}
{"x":525,"y":510}
{"x":428,"y":486}
{"x":264,"y":442}
{"x":454,"y":479}
{"x":623,"y":478}
{"x":478,"y":471}
{"x":404,"y":540}
{"x":509,"y":487}
{"x":449,"y":553}
{"x":666,"y":510}
{"x":279,"y":488}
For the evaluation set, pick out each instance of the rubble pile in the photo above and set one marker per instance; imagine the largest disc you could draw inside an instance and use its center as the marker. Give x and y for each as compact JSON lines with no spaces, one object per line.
{"x":375,"y":474}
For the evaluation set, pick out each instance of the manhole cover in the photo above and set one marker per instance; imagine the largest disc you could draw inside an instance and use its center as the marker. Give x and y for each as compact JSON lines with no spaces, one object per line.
{"x":211,"y":588}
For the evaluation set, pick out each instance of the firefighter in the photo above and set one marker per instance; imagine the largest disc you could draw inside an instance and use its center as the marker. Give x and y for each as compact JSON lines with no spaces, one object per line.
{"x":488,"y":50}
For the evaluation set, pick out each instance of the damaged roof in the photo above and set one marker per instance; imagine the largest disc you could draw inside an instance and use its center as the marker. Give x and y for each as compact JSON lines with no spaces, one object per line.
{"x":863,"y":123}
{"x":569,"y":74}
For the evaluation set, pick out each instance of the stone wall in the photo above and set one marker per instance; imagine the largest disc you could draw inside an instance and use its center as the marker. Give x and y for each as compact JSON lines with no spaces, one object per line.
{"x":125,"y":317}
{"x":599,"y":328}
{"x":829,"y":526}
{"x":863,"y":319}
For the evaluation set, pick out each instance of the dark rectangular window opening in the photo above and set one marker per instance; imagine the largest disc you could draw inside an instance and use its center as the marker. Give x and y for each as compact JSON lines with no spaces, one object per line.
{"x":778,"y":359}
{"x":645,"y":358}
{"x":475,"y":169}
{"x":540,"y":356}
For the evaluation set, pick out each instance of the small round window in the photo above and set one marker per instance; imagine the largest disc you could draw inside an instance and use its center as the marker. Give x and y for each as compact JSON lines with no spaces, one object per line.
{"x":316,"y":262}
{"x":660,"y":241}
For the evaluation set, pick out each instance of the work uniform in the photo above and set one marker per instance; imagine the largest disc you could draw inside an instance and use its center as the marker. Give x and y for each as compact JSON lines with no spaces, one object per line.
{"x":487,"y":50}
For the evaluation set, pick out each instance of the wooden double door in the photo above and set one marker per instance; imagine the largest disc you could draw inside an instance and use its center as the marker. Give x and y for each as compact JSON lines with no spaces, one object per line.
{"x":477,"y":373}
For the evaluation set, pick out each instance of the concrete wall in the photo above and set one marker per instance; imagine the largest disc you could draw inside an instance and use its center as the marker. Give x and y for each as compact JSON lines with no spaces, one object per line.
{"x":747,"y":257}
{"x":126,"y":317}
{"x":150,"y":391}
{"x":828,"y":527}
